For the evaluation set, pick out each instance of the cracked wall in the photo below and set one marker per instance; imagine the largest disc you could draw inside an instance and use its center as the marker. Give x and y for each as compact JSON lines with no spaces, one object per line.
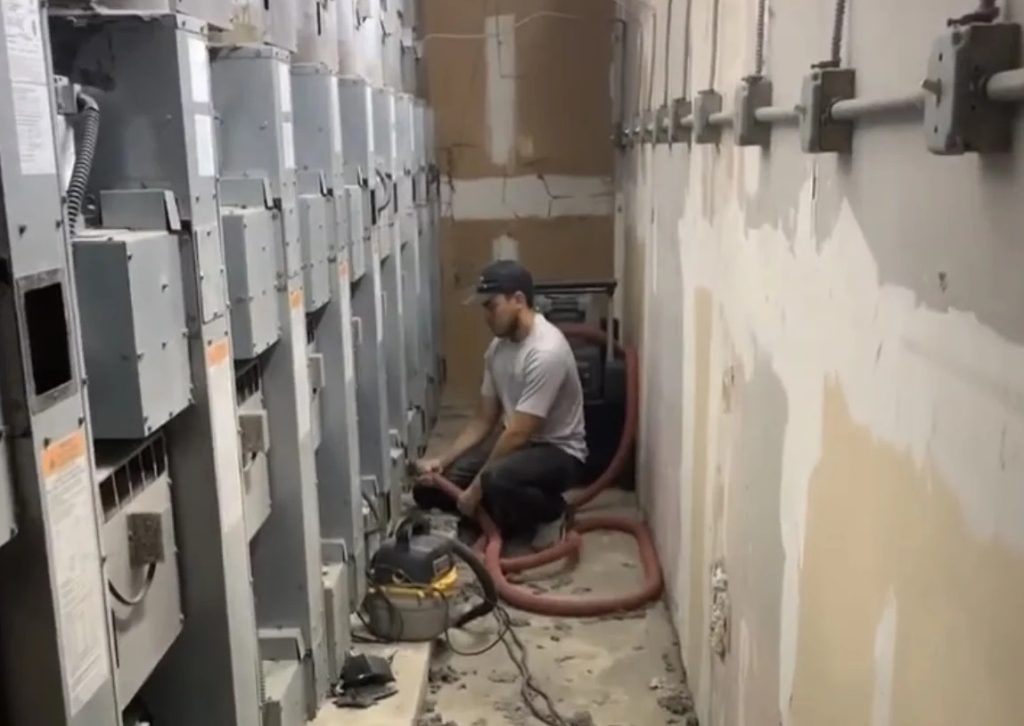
{"x":833,"y":389}
{"x":523,"y":103}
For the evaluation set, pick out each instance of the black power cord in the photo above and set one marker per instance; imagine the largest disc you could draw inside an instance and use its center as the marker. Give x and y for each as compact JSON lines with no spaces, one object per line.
{"x":529,"y":691}
{"x":133,"y":600}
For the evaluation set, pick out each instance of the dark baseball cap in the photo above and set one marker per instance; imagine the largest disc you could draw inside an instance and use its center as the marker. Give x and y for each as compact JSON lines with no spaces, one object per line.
{"x":502,"y":277}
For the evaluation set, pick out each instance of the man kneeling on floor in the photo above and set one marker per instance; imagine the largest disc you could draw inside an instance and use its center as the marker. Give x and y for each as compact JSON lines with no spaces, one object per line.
{"x":517,"y":471}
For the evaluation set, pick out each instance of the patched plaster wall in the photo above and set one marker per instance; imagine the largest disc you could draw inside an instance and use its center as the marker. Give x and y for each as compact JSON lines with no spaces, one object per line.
{"x":833,"y":383}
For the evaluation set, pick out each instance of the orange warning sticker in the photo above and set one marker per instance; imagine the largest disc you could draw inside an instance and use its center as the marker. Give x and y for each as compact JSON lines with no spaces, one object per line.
{"x":217,"y":352}
{"x":295,"y":299}
{"x":58,"y":456}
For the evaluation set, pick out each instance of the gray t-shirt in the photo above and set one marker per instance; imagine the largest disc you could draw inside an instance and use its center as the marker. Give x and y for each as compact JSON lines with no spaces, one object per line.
{"x":538,"y":376}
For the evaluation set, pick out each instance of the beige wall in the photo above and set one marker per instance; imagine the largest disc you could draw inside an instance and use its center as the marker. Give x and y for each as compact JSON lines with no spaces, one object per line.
{"x":833,"y":376}
{"x":521,"y":93}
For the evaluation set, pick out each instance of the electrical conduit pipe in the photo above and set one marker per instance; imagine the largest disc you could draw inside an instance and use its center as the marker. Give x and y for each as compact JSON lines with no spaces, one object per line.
{"x":499,"y":568}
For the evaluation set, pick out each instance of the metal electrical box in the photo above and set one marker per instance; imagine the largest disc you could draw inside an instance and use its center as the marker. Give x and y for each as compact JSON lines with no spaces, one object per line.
{"x":318,"y":33}
{"x":133,"y":329}
{"x":284,"y":696}
{"x":141,"y":558}
{"x":336,"y":603}
{"x":218,"y":13}
{"x":356,"y":105}
{"x":357,"y":230}
{"x":252,"y":269}
{"x":254,"y":436}
{"x":313,"y":218}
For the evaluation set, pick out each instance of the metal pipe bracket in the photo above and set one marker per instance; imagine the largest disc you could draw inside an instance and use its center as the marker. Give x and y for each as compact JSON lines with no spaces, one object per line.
{"x":958,"y":115}
{"x":706,"y":103}
{"x":682,"y":109}
{"x":819,"y":132}
{"x":754,"y":92}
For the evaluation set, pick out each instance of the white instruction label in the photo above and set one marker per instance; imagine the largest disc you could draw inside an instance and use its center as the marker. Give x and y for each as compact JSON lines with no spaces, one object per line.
{"x":378,"y":297}
{"x":370,"y":146}
{"x":288,"y":131}
{"x":77,"y":569}
{"x":335,"y":117}
{"x":227,"y":459}
{"x":301,"y":363}
{"x":204,"y":145}
{"x":199,"y":66}
{"x":284,"y":85}
{"x":346,"y":318}
{"x":35,"y":128}
{"x":24,"y":41}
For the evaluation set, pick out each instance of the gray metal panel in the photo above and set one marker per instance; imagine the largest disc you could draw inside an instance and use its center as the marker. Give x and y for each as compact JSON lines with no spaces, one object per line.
{"x":283,"y":26}
{"x":394,"y":344}
{"x":318,"y":126}
{"x":146,"y":631}
{"x":8,"y":526}
{"x":284,"y":694}
{"x":50,"y":676}
{"x":255,"y":474}
{"x":371,"y":375}
{"x":339,"y":630}
{"x":252,"y":94}
{"x":384,"y":129}
{"x":252,"y":90}
{"x":356,"y":100}
{"x":338,"y":464}
{"x":313,"y":218}
{"x":357,"y":229}
{"x":318,"y":33}
{"x":157,"y":133}
{"x":215,"y":12}
{"x":249,"y":245}
{"x":133,"y":330}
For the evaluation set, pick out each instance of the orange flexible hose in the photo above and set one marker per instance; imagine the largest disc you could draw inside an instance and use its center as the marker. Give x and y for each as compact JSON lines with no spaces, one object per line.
{"x":524,"y":599}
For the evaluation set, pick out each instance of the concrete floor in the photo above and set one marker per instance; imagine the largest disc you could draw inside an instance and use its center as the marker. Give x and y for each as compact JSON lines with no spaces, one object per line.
{"x":614,"y":671}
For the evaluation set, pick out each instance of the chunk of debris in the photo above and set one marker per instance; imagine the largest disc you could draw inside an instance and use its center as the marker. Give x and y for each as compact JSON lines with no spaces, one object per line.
{"x":564,"y":658}
{"x":669,"y":661}
{"x":677,"y":703}
{"x":502,"y":677}
{"x":581,"y":718}
{"x":581,"y":590}
{"x":444,"y":674}
{"x":563,"y":627}
{"x":517,"y":621}
{"x":556,"y":638}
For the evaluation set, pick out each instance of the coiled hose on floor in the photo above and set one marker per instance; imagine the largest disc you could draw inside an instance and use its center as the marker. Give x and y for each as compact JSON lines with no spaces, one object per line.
{"x":89,"y":110}
{"x":499,"y":568}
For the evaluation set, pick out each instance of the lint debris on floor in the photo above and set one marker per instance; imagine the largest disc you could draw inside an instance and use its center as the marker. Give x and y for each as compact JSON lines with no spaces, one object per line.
{"x":619,"y":670}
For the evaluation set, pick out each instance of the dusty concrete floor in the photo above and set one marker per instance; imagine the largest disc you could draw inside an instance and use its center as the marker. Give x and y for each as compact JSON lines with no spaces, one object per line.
{"x":613,"y":671}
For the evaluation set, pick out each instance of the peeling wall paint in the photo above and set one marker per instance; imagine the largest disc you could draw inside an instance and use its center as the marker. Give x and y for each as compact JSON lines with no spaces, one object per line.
{"x":837,"y":352}
{"x":539,"y":196}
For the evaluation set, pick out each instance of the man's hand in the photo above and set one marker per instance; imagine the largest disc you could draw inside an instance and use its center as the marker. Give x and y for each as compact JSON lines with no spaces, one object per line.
{"x":426,"y":467}
{"x":469,"y":500}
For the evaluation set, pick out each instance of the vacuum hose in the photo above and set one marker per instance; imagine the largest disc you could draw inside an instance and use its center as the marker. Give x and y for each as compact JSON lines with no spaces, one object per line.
{"x":499,"y":568}
{"x":90,"y":112}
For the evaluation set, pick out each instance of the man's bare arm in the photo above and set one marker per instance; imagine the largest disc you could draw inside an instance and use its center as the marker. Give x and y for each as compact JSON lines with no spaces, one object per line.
{"x":479,"y":428}
{"x":515,"y":436}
